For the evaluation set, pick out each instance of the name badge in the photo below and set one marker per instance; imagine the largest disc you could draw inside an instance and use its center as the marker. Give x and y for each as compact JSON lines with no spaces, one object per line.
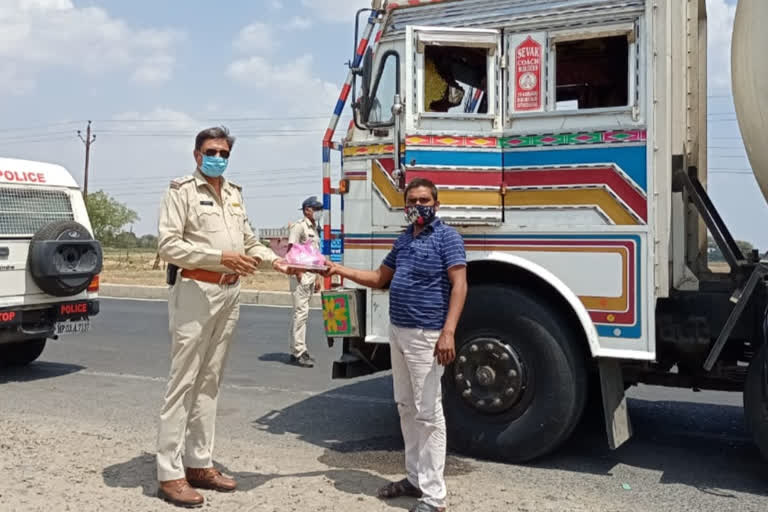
{"x":206,"y":203}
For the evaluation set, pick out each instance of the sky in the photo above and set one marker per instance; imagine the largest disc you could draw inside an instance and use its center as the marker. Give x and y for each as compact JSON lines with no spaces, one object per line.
{"x":151,"y":73}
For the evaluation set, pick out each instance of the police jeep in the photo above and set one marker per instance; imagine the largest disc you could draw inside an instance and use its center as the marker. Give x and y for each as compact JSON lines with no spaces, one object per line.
{"x":49,"y":261}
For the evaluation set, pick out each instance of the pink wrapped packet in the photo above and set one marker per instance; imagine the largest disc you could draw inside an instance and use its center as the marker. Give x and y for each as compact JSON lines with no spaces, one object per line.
{"x":306,"y":257}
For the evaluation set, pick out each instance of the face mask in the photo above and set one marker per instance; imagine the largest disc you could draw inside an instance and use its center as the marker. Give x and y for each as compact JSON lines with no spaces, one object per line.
{"x":419,"y":214}
{"x":213,"y":166}
{"x":318,"y":216}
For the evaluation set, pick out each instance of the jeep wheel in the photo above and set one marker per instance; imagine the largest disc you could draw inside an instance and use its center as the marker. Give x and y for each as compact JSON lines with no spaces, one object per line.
{"x":64,"y":258}
{"x":519,"y":383}
{"x":21,"y":354}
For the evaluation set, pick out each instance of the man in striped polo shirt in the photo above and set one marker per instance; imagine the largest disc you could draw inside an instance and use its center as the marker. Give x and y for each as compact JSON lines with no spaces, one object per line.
{"x":426,"y":271}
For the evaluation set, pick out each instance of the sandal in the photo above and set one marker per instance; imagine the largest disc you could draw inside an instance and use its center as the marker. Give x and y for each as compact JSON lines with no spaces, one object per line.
{"x":397,"y":489}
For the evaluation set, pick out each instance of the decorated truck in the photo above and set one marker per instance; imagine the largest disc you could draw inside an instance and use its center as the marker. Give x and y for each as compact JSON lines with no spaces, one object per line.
{"x":567,"y":139}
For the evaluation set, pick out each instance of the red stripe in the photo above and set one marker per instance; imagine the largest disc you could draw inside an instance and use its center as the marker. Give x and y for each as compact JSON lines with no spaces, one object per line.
{"x":345,"y":92}
{"x":362,"y":46}
{"x":457,"y":178}
{"x":326,"y":185}
{"x":607,"y":176}
{"x":327,"y":137}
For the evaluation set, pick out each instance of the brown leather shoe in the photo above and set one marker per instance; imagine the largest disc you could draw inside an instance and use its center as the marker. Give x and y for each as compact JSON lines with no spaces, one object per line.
{"x":179,"y":493}
{"x":210,"y":478}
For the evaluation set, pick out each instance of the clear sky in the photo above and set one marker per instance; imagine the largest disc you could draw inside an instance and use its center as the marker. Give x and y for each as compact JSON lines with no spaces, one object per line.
{"x":151,"y":73}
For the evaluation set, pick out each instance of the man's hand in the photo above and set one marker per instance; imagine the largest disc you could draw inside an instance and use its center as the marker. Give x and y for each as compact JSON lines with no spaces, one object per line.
{"x":281,"y":266}
{"x":445,"y":350}
{"x":239,"y":263}
{"x":318,"y":284}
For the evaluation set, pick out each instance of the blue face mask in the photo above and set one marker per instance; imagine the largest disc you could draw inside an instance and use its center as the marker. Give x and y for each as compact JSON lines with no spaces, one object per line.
{"x":213,"y":166}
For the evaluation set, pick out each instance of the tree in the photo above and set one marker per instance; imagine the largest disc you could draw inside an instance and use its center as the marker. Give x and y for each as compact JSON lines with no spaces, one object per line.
{"x":716,"y":255}
{"x":148,"y":242}
{"x":108,"y":216}
{"x":126,"y":240}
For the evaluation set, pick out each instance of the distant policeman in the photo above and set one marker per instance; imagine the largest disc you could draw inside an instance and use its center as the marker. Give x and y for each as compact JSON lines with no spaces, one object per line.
{"x":203,"y":230}
{"x":305,"y":284}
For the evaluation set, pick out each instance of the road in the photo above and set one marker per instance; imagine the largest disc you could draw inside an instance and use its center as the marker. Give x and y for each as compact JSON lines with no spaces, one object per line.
{"x":78,"y":431}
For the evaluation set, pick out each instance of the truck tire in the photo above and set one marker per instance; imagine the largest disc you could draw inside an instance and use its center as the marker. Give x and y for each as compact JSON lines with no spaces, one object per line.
{"x":21,"y":354}
{"x":64,"y":270}
{"x":518,"y":386}
{"x":756,"y":400}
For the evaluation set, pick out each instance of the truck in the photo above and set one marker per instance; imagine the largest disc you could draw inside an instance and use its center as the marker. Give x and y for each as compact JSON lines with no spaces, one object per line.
{"x":49,"y":261}
{"x":568,"y":142}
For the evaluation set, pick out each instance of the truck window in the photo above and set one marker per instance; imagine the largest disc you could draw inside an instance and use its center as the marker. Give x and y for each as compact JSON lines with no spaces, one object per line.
{"x":455,"y":79}
{"x":592,"y":73}
{"x":384,"y":93}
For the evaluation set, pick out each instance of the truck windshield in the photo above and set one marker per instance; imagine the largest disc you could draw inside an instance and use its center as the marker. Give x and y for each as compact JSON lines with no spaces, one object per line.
{"x":455,"y":79}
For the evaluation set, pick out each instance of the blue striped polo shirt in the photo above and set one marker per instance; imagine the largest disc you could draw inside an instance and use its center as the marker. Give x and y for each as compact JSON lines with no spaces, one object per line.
{"x":420,"y":289}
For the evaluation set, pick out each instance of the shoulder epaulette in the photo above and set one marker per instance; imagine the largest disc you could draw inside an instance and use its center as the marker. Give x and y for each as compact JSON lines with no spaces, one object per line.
{"x":178,"y":182}
{"x":237,"y":186}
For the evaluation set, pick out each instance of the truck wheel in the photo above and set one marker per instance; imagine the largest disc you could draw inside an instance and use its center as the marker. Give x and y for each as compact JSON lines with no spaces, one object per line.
{"x":63,"y":269}
{"x":519,"y":383}
{"x":756,"y":400}
{"x":21,"y":354}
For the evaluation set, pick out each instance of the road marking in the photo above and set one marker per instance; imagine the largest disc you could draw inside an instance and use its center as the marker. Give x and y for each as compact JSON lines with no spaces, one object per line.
{"x":166,"y":300}
{"x":244,"y":387}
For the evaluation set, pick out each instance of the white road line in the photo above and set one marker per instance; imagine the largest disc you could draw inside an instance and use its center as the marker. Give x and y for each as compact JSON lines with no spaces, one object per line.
{"x":245,"y":387}
{"x":165,"y":300}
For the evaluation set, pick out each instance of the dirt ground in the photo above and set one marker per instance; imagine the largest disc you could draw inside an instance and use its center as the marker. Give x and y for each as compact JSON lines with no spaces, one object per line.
{"x":135,"y":266}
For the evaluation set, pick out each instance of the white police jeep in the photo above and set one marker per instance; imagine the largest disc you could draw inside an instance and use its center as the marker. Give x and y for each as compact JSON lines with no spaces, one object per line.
{"x":49,"y":261}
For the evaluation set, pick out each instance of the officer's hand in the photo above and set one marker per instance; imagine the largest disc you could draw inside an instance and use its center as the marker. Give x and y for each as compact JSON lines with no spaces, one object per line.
{"x":281,"y":266}
{"x":318,"y":285}
{"x":239,"y":263}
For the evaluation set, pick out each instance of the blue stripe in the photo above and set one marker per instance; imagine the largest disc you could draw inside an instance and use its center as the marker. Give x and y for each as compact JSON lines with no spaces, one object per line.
{"x":631,"y":159}
{"x":339,"y":107}
{"x":454,"y":158}
{"x":326,"y":201}
{"x":326,"y":154}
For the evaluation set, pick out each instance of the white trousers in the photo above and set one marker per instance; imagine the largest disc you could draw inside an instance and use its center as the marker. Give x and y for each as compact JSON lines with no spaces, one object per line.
{"x":416,"y":376}
{"x":202,"y":320}
{"x":302,"y":294}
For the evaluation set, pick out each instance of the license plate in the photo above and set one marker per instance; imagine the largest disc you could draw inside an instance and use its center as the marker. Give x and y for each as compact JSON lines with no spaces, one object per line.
{"x":72,"y":327}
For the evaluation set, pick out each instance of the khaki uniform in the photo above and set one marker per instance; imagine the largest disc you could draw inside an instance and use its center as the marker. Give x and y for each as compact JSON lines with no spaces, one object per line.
{"x":303,"y":289}
{"x":195,"y":226}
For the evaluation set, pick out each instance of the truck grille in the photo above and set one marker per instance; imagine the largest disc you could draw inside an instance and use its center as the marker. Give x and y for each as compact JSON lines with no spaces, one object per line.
{"x":23,"y":211}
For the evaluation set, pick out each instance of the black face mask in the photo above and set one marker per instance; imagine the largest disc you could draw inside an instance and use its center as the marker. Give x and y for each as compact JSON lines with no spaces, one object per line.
{"x":420,"y":215}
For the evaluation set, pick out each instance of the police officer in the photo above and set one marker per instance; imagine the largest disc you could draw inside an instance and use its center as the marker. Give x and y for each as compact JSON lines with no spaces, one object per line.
{"x":304,"y":284}
{"x":203,"y":230}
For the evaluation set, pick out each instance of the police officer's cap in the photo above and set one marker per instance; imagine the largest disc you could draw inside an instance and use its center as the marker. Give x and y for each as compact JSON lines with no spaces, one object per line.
{"x":313,"y":203}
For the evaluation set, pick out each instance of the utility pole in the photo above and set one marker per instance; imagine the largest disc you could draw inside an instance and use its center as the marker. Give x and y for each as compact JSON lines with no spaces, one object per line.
{"x":88,"y":140}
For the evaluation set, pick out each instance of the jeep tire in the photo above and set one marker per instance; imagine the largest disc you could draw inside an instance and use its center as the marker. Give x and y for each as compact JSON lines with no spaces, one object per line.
{"x":21,"y":354}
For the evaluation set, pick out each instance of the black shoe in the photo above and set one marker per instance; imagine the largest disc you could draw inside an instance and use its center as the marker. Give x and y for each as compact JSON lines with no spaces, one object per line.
{"x":303,"y":360}
{"x":309,"y":356}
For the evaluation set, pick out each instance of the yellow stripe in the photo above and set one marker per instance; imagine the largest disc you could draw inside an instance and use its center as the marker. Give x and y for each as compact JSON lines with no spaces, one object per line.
{"x":573,"y":197}
{"x":390,"y":193}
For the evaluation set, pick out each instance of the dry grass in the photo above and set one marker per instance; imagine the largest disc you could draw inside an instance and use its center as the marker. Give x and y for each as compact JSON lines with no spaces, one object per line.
{"x":135,"y":267}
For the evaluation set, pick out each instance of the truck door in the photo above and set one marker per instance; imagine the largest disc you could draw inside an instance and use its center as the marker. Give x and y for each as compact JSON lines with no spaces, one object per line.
{"x":453,"y":119}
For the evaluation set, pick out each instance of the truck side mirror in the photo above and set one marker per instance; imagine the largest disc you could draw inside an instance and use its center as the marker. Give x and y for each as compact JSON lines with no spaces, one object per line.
{"x":386,"y":87}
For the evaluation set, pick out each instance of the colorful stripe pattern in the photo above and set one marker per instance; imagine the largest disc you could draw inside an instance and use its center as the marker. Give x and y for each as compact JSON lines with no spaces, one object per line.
{"x":614,"y":317}
{"x":529,"y":141}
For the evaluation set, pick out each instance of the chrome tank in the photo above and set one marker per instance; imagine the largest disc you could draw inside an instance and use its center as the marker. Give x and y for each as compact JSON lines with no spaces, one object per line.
{"x":749,"y":76}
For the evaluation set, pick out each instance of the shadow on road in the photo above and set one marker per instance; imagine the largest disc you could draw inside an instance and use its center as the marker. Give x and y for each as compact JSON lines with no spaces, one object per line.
{"x":358,"y":426}
{"x":37,"y":371}
{"x":276,"y":357}
{"x":703,"y":446}
{"x":140,"y":472}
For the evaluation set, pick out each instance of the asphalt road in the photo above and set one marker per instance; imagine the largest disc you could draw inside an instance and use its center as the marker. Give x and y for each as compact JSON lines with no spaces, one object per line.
{"x":690,"y":450}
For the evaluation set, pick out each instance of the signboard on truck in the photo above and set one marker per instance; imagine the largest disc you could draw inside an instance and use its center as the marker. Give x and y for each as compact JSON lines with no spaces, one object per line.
{"x":527,"y":72}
